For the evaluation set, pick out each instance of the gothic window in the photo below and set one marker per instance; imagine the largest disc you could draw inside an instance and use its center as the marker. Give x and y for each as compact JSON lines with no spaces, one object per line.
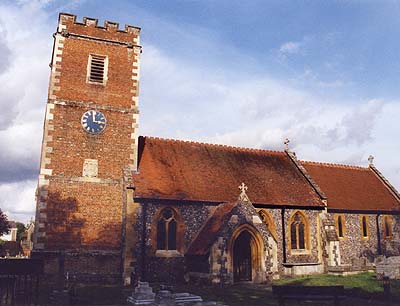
{"x":364,"y":227}
{"x":340,"y":225}
{"x":268,"y":221}
{"x":166,"y":230}
{"x":97,"y":69}
{"x":298,"y":232}
{"x":387,"y":227}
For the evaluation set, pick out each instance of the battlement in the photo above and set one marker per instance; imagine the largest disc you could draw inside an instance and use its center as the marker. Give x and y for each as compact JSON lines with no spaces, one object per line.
{"x":89,"y":28}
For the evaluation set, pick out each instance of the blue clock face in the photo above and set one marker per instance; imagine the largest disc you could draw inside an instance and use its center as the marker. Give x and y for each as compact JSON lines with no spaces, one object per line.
{"x":93,"y":122}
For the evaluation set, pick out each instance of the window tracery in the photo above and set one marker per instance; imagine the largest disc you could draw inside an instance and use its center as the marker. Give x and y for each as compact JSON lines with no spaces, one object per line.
{"x":298,"y":232}
{"x":166,"y":230}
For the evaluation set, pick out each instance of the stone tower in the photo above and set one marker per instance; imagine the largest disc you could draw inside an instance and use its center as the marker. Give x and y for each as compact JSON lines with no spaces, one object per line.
{"x":89,"y":149}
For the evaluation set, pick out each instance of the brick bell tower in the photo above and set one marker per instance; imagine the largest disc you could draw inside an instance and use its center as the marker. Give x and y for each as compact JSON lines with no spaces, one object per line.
{"x":89,"y":149}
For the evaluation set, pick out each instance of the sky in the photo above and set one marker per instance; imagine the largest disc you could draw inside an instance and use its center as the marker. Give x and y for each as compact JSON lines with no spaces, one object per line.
{"x":324,"y":74}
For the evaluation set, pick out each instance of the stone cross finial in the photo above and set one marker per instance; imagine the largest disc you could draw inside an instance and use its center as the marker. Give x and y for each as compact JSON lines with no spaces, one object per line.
{"x":286,"y":143}
{"x":243,"y":196}
{"x":371,"y":160}
{"x":243,"y":188}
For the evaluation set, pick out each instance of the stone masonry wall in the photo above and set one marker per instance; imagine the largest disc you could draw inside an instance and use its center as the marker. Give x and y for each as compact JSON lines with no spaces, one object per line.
{"x":313,"y":253}
{"x":166,"y":267}
{"x":353,"y":246}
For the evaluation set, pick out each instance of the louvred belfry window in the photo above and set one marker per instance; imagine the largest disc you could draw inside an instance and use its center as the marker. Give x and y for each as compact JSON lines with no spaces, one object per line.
{"x":166,"y":230}
{"x":97,"y":69}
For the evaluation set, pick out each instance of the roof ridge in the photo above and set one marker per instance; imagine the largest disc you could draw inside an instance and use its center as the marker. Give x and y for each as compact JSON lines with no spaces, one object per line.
{"x":307,"y":176}
{"x":334,"y":165}
{"x":215,"y":145}
{"x":385,"y":181}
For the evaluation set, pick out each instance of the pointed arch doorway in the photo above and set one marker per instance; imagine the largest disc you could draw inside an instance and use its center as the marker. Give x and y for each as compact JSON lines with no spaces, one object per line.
{"x":242,"y":257}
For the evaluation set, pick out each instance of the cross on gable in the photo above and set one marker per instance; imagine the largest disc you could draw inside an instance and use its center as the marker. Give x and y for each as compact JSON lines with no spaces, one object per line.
{"x":286,"y":143}
{"x":243,"y":188}
{"x":243,"y":196}
{"x":371,"y":159}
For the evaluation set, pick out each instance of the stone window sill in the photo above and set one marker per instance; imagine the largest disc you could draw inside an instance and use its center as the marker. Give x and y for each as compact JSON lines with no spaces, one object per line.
{"x":300,"y":252}
{"x":168,"y":253}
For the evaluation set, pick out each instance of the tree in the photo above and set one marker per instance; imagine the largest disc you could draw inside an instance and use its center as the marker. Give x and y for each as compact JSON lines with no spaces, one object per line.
{"x":20,"y":230}
{"x":4,"y":226}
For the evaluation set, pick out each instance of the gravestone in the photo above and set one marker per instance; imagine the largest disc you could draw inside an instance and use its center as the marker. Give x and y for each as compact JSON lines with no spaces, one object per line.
{"x":388,"y":267}
{"x":143,"y":295}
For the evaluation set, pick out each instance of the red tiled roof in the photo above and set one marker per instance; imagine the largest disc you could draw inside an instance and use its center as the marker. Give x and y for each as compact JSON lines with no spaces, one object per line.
{"x":206,"y":237}
{"x":172,"y":169}
{"x":352,"y":187}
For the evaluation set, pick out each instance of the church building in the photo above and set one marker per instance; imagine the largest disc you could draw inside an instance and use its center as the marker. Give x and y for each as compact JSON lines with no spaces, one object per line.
{"x":116,"y":207}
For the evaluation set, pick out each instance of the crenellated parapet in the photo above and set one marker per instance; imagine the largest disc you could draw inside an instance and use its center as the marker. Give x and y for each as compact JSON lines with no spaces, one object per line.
{"x":89,"y":28}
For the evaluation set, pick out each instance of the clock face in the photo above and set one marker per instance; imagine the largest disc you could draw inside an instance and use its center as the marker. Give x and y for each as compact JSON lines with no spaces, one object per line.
{"x":93,"y":122}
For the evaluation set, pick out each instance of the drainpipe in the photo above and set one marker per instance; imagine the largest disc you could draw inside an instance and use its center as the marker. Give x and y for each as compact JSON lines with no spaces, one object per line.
{"x":283,"y":234}
{"x":143,"y":249}
{"x":378,"y":235}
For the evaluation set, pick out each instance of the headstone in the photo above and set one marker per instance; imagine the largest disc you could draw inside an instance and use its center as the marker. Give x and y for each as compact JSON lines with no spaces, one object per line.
{"x":143,"y":295}
{"x":185,"y":298}
{"x":388,"y":267}
{"x":165,"y":298}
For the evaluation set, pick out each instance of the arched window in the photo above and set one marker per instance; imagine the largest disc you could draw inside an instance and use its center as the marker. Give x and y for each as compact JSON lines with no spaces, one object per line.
{"x":364,"y":227}
{"x":166,"y":230}
{"x":340,"y":225}
{"x":268,"y":221}
{"x":298,"y":232}
{"x":387,"y":227}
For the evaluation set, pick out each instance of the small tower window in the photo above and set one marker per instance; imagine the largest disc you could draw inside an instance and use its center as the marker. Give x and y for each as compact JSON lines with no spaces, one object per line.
{"x":97,"y":69}
{"x":166,"y":230}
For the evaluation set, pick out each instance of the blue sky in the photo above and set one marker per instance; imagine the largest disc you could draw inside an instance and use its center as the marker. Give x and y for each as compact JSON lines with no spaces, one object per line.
{"x":245,"y":73}
{"x":352,"y":42}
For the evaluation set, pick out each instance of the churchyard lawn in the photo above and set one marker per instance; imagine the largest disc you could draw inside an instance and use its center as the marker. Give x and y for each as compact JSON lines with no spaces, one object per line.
{"x":362,"y":289}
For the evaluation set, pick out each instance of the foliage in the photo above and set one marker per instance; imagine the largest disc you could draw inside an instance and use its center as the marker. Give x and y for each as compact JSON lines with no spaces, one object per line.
{"x":4,"y":226}
{"x":21,"y":228}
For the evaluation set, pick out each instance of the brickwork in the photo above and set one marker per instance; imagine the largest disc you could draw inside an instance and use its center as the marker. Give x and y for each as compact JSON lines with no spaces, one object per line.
{"x":81,"y":197}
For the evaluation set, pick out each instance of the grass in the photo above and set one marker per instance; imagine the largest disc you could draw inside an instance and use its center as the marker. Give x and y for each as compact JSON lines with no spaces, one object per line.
{"x":362,"y":285}
{"x":361,"y":289}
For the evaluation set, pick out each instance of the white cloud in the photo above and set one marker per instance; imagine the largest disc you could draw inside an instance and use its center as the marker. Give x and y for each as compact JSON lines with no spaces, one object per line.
{"x":25,"y":38}
{"x":290,"y":47}
{"x":179,"y":102}
{"x":18,"y":200}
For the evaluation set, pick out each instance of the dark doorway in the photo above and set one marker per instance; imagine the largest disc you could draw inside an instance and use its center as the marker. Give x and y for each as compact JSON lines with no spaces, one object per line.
{"x":242,"y":258}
